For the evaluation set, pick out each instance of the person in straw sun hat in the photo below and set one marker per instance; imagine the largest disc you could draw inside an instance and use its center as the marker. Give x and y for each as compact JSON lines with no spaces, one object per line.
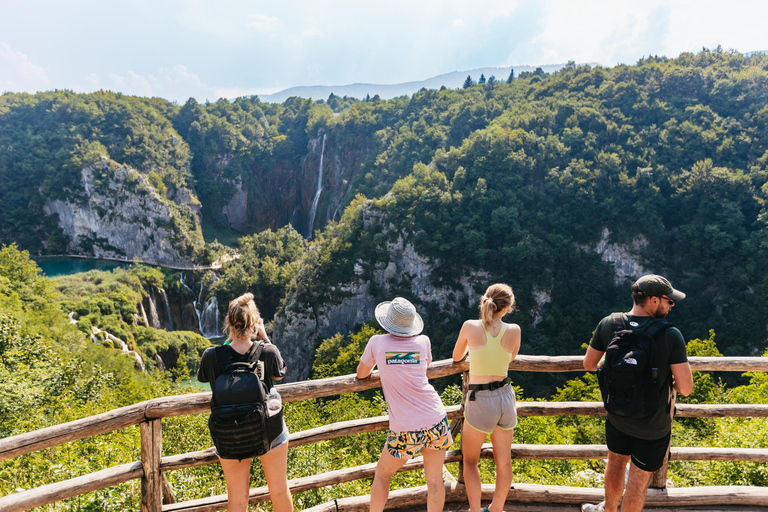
{"x":417,"y":419}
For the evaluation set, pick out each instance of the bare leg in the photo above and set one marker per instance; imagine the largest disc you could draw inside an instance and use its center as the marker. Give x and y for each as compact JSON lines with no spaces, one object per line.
{"x":637,"y":489}
{"x":433,"y":473}
{"x":502,"y":455}
{"x":471,"y":442}
{"x":614,"y":480}
{"x":237,"y":473}
{"x":387,"y":466}
{"x":275,"y":464}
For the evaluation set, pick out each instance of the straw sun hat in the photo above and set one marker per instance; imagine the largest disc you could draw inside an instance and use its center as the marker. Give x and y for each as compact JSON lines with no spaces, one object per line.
{"x":399,"y":317}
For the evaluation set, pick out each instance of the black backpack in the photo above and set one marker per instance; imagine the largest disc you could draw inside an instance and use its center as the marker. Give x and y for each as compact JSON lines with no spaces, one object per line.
{"x":239,"y":424}
{"x":629,"y":379}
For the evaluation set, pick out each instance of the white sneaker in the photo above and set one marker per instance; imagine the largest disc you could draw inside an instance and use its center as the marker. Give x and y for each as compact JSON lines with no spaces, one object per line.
{"x":588,"y":507}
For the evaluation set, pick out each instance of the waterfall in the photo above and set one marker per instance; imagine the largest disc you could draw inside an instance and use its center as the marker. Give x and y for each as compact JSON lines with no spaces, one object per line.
{"x":166,"y":310}
{"x":208,"y":318}
{"x":143,"y":313}
{"x":154,"y":318}
{"x":137,"y":359}
{"x":183,"y":283}
{"x":71,"y":317}
{"x":208,"y":312}
{"x":319,"y":190}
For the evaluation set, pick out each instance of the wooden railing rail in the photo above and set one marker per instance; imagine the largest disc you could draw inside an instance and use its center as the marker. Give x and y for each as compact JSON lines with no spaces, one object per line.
{"x":148,"y":415}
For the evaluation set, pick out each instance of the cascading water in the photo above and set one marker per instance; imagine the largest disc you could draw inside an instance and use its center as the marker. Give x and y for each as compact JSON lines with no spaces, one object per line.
{"x":319,"y":190}
{"x":209,"y":319}
{"x":166,"y":309}
{"x":154,"y":318}
{"x":143,"y":313}
{"x":207,"y":313}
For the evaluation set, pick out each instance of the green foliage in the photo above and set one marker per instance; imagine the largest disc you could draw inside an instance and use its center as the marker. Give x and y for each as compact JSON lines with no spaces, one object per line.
{"x":267,"y":263}
{"x":340,"y":354}
{"x":20,"y":281}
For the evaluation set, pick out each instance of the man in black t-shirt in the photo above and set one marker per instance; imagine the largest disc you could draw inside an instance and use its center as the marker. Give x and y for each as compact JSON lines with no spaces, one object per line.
{"x":644,"y":441}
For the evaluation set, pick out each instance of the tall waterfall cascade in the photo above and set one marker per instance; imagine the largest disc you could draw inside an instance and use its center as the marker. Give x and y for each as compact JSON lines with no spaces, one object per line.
{"x":319,"y":190}
{"x":207,"y":312}
{"x":166,"y":309}
{"x":154,"y":318}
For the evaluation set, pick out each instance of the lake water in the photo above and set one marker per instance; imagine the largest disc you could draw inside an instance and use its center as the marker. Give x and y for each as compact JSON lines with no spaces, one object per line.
{"x":56,"y":267}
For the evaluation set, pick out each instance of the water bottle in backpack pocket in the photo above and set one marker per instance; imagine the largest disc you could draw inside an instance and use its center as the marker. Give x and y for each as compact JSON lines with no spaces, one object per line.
{"x":629,"y":379}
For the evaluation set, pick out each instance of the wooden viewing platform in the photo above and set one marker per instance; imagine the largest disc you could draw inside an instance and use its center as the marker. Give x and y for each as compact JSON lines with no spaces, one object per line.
{"x":157,"y":495}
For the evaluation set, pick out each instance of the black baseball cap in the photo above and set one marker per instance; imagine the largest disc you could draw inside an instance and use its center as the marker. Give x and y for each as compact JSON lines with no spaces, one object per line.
{"x":653,"y":285}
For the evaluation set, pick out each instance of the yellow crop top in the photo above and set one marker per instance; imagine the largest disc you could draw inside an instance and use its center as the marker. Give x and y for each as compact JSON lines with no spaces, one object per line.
{"x":492,"y":359}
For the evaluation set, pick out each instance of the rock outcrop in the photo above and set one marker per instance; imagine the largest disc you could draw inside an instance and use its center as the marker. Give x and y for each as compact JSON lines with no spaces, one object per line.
{"x":625,"y":258}
{"x":121,"y":215}
{"x":301,"y":325}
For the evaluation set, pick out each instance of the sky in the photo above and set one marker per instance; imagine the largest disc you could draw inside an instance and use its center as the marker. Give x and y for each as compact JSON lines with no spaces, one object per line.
{"x":205,"y":49}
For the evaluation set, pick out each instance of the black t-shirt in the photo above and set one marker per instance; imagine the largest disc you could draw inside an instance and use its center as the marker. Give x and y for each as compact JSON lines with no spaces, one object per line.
{"x":670,"y":349}
{"x":216,"y":359}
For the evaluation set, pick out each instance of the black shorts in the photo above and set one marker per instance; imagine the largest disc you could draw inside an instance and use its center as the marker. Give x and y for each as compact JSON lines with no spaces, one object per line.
{"x":646,"y":455}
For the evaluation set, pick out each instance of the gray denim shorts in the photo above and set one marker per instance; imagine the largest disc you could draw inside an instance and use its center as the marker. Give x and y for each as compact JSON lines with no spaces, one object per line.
{"x":491,"y":408}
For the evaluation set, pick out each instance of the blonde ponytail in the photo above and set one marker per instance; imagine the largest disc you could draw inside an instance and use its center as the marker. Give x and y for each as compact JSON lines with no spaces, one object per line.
{"x":497,"y":297}
{"x":242,"y":316}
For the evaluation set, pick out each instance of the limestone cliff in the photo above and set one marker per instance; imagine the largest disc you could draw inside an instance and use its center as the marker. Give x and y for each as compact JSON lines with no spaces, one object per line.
{"x":300,"y":325}
{"x":121,"y":215}
{"x":269,"y":194}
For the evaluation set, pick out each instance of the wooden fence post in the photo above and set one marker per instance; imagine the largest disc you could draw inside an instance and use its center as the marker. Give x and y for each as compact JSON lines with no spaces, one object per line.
{"x":464,"y":391}
{"x":659,"y":478}
{"x":151,"y":451}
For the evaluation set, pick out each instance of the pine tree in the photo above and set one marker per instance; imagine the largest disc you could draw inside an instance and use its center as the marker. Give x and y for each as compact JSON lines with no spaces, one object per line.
{"x":468,"y":82}
{"x":511,"y":76}
{"x":482,"y":79}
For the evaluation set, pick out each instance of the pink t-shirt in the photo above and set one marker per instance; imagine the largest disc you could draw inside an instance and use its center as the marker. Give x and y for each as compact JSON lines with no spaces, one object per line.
{"x":412,"y":401}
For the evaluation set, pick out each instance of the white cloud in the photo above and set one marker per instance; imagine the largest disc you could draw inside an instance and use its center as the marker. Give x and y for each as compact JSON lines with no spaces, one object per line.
{"x":458,"y":22}
{"x":263,"y":23}
{"x":17,"y":73}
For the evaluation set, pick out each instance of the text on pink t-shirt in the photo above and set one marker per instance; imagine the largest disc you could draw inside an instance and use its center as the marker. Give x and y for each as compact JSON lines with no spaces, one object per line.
{"x":402,"y":362}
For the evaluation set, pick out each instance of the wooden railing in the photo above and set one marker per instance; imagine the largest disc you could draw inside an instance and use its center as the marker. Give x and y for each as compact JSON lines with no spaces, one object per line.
{"x":152,"y":466}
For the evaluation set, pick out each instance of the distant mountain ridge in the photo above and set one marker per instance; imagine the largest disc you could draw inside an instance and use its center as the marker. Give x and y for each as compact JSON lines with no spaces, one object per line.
{"x":451,"y":80}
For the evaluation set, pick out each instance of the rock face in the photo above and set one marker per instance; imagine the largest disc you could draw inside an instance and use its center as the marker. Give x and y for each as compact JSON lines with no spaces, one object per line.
{"x":282,"y":191}
{"x":625,"y":258}
{"x":236,"y":210}
{"x":298,"y":329}
{"x":122,"y":216}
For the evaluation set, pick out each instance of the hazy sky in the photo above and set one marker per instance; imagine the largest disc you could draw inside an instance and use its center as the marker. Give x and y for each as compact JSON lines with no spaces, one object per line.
{"x":227,"y":48}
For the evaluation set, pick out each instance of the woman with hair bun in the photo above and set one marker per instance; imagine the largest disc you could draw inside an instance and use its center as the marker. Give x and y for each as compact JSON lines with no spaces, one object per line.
{"x":242,"y":324}
{"x":490,"y":406}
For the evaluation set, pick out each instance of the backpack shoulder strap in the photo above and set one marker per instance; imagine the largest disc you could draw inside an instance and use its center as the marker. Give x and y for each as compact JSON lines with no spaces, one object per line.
{"x":656,"y":327}
{"x":254,"y":353}
{"x":618,"y":321}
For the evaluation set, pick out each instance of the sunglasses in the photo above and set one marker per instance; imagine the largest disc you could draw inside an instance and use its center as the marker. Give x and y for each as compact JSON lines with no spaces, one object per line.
{"x":671,"y":301}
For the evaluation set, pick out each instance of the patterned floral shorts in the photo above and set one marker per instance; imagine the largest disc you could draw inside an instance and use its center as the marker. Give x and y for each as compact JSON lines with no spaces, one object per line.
{"x":406,"y":445}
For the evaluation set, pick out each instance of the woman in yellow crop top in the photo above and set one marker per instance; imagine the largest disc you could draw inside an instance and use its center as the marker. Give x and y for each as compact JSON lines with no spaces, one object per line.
{"x":490,"y":406}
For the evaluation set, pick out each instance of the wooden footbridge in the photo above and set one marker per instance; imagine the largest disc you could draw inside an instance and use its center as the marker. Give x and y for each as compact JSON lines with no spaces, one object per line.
{"x":157,"y":495}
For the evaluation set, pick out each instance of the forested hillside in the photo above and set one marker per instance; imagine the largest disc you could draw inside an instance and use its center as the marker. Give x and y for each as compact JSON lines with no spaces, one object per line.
{"x":565,"y":185}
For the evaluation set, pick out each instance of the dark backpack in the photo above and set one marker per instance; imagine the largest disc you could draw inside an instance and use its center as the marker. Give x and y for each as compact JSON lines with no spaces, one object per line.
{"x":239,"y":424}
{"x":629,"y":379}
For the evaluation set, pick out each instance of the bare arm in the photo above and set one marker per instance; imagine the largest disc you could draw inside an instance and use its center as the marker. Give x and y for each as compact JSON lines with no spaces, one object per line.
{"x":514,"y":334}
{"x":592,"y":359}
{"x":462,"y":344}
{"x":683,"y":378}
{"x":363,"y":370}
